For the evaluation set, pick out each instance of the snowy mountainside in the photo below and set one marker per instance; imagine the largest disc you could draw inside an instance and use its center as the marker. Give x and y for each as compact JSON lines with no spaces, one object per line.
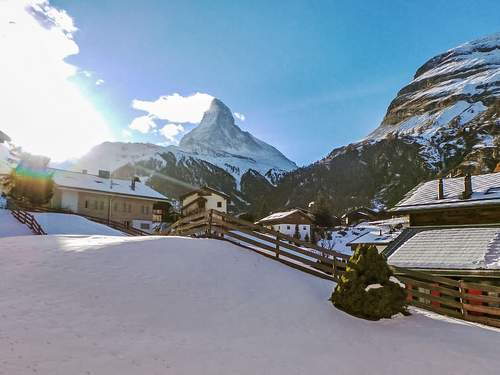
{"x":455,"y":85}
{"x":113,"y":155}
{"x":445,"y":121}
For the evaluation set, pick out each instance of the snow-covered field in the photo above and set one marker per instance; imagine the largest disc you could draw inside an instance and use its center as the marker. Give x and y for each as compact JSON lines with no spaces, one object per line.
{"x":9,"y":226}
{"x":55,"y":223}
{"x":156,"y":305}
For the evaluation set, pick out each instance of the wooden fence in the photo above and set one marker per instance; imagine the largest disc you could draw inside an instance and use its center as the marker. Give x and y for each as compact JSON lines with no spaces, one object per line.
{"x":29,"y":220}
{"x":470,"y":301}
{"x":296,"y":253}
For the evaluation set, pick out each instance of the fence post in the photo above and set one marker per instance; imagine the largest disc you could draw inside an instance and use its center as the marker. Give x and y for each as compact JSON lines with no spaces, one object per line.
{"x":462,"y":298}
{"x":277,"y":245}
{"x":210,"y":214}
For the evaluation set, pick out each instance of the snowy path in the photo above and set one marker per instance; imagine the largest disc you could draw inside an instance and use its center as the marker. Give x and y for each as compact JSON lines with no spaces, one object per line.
{"x":9,"y":226}
{"x":153,"y":305}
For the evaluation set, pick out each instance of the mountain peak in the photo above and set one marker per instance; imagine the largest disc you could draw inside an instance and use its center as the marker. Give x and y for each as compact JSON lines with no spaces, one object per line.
{"x":218,"y":115}
{"x":217,"y":134}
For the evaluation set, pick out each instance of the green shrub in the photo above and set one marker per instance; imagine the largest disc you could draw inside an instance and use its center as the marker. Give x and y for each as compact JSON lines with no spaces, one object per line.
{"x":383,"y":299}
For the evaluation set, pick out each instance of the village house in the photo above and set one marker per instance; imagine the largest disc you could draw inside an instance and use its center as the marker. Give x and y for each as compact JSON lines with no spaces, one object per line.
{"x":296,"y":222}
{"x":454,"y":228}
{"x":129,"y":202}
{"x":379,"y":233}
{"x":358,"y":215}
{"x":203,"y":199}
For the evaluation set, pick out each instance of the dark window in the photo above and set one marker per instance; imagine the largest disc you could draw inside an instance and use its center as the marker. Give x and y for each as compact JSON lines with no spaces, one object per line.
{"x":288,"y":227}
{"x":219,"y":204}
{"x":86,"y":204}
{"x":305,"y":228}
{"x":144,"y":226}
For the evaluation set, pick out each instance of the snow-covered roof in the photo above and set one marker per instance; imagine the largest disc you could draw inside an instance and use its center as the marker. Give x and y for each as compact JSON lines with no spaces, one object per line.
{"x":205,"y":190}
{"x":448,"y":248}
{"x":277,"y":216}
{"x":485,"y":190}
{"x":82,"y":181}
{"x":375,"y":238}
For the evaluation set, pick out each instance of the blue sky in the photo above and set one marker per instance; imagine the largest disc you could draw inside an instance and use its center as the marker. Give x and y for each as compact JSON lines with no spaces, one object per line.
{"x":308,"y":75}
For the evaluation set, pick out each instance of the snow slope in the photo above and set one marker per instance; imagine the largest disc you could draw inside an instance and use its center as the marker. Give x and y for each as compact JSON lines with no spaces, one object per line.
{"x":153,"y":305}
{"x":9,"y":226}
{"x":54,"y":223}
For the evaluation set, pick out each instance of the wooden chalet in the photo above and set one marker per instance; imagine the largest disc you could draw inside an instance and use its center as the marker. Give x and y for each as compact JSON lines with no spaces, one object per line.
{"x":359,"y":215}
{"x":203,"y":199}
{"x":454,"y":228}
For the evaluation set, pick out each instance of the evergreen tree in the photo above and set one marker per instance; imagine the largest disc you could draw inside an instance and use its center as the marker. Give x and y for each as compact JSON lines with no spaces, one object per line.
{"x":365,"y":289}
{"x":322,"y":213}
{"x":262,"y":211}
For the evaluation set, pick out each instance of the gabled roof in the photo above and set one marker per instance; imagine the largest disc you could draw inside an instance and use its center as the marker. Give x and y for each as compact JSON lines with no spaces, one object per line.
{"x":447,"y":248}
{"x":280,"y":217}
{"x":205,"y":190}
{"x":89,"y":182}
{"x":485,"y":191}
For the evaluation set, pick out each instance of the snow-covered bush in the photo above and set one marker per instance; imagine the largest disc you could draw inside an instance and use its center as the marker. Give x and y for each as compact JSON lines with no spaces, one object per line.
{"x":366,"y":290}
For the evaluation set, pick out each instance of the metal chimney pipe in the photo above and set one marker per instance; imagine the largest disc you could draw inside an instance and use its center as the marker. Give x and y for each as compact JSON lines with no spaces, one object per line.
{"x":440,"y":189}
{"x":467,"y":186}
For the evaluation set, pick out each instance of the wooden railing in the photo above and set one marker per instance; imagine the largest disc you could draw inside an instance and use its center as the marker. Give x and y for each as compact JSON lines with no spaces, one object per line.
{"x":117,"y":225}
{"x":469,"y":301}
{"x":296,"y":253}
{"x":29,"y":220}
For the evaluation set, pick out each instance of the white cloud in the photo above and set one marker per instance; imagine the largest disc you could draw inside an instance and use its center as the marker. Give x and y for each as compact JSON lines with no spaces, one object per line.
{"x":99,"y":82}
{"x":143,"y":124}
{"x":176,"y":108}
{"x":40,"y":108}
{"x":239,"y":116}
{"x":171,"y":131}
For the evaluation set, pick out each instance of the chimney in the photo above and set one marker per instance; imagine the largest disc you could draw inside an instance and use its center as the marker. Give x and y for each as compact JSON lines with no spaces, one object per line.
{"x":440,"y":189}
{"x":134,"y":180}
{"x":467,"y":193}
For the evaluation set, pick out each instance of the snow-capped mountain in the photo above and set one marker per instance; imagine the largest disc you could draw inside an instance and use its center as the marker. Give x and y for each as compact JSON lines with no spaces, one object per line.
{"x":217,"y":152}
{"x":220,"y":141}
{"x":445,"y":121}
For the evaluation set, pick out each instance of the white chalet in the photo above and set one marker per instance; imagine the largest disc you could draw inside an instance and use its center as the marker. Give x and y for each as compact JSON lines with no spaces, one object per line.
{"x":290,"y":222}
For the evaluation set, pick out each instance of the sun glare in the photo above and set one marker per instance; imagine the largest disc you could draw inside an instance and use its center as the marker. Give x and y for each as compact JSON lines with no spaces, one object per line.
{"x":42,"y":110}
